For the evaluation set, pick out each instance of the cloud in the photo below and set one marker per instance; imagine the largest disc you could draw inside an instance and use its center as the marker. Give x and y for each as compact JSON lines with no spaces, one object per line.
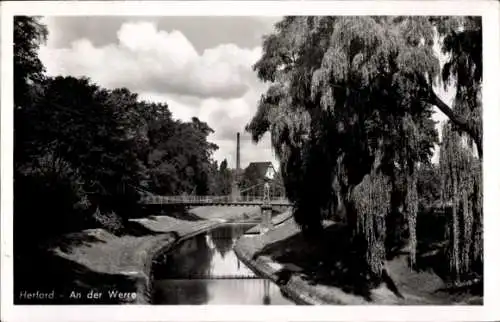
{"x":181,"y":107}
{"x":217,"y":84}
{"x":244,"y":32}
{"x":146,"y":59}
{"x":187,"y":62}
{"x":226,"y":117}
{"x":232,"y":125}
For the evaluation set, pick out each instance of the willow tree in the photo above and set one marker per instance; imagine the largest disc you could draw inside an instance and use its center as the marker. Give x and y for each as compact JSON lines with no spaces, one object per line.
{"x":462,"y":42}
{"x":349,"y":111}
{"x":461,"y":188}
{"x":460,"y":166}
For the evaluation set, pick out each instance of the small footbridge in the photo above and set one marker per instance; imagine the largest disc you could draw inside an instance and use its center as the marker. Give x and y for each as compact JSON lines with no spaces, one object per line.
{"x":263,"y":194}
{"x":214,"y":201}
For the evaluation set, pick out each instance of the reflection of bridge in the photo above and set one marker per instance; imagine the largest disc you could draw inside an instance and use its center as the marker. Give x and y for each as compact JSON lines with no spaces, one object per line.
{"x":224,"y":277}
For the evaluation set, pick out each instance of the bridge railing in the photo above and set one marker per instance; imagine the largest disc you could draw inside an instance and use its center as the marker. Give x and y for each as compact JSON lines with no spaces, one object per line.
{"x":209,"y":199}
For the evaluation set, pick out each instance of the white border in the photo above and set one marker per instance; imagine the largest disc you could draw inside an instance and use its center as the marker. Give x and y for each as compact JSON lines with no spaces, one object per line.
{"x":490,"y":311}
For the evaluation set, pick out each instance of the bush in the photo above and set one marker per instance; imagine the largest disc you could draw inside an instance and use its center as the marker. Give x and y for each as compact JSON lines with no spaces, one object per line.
{"x":108,"y":220}
{"x":48,"y":201}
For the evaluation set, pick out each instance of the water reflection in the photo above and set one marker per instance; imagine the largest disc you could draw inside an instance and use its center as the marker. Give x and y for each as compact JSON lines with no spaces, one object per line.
{"x":205,"y":270}
{"x":224,"y":237}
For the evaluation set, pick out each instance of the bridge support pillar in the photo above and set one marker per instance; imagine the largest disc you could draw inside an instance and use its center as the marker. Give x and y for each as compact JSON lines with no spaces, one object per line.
{"x":267,"y":298}
{"x":235,"y":192}
{"x":266,"y":223}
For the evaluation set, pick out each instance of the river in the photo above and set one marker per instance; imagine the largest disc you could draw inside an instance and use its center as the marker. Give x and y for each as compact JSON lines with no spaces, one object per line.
{"x":205,"y":270}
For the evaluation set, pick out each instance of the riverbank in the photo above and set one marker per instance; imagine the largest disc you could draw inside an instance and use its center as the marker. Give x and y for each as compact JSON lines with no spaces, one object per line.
{"x":96,"y":267}
{"x":323,"y":274}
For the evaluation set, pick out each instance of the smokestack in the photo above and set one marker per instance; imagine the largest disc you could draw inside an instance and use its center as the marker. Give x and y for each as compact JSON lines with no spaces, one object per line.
{"x":236,"y":189}
{"x":238,"y":152}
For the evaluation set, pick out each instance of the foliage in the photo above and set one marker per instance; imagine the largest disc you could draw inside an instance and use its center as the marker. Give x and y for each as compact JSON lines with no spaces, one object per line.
{"x":109,"y":221}
{"x":81,"y":151}
{"x":180,"y":158}
{"x":29,"y":34}
{"x":349,"y":109}
{"x":89,"y":128}
{"x":428,"y":186}
{"x":49,"y":198}
{"x":460,"y":166}
{"x":461,"y":185}
{"x":253,"y":180}
{"x":462,"y":41}
{"x":223,"y":179}
{"x":372,"y":197}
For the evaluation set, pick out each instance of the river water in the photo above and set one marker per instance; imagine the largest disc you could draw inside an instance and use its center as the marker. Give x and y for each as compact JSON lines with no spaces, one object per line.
{"x":205,"y":270}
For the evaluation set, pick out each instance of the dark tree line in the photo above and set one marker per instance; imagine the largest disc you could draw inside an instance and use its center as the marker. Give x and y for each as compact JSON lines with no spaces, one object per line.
{"x":223,"y":179}
{"x":83,"y":152}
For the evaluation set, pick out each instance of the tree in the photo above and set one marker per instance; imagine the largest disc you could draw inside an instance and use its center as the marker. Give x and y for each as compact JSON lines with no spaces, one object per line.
{"x":84,"y":155}
{"x":462,"y":41}
{"x":93,"y":129}
{"x":82,"y":150}
{"x":180,"y":157}
{"x":428,"y":185}
{"x":29,"y":34}
{"x":461,"y":187}
{"x":50,"y":182}
{"x":252,"y":180}
{"x":349,"y":111}
{"x":225,"y":179}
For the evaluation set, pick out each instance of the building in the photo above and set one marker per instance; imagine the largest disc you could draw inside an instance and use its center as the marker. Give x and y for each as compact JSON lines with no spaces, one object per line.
{"x":260,"y":170}
{"x":255,"y":175}
{"x":249,"y":181}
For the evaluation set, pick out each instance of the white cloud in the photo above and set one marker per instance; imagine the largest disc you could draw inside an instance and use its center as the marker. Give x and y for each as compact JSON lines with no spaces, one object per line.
{"x":218,"y":86}
{"x":147,"y":59}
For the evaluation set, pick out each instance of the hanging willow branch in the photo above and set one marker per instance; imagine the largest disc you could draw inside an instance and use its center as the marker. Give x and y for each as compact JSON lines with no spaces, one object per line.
{"x":411,"y":202}
{"x":409,"y":134}
{"x":462,"y":189}
{"x":372,"y":202}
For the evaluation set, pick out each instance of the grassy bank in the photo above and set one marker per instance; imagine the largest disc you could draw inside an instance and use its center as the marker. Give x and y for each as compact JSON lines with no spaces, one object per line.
{"x":326,"y":272}
{"x":97,"y":267}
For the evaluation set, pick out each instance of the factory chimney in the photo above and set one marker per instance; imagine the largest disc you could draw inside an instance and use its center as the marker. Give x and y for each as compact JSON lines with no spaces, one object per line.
{"x":235,"y":188}
{"x":238,"y":168}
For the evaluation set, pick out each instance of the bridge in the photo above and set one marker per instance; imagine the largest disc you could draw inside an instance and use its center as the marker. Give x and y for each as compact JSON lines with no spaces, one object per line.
{"x":270,"y":197}
{"x":264,"y":192}
{"x":214,"y":201}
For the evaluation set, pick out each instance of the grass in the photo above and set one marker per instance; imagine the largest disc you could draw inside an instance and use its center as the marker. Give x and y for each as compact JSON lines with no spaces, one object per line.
{"x":328,"y":268}
{"x":98,"y":260}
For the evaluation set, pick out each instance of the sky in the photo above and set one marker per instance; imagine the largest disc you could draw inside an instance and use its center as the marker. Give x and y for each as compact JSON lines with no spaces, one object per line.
{"x":200,"y":66}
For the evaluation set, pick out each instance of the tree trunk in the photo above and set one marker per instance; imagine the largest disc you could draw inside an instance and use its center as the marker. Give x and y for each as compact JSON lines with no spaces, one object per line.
{"x":460,"y":121}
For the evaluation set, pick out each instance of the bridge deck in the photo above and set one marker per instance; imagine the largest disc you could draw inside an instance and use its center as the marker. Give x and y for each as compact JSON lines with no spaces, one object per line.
{"x":212,"y":201}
